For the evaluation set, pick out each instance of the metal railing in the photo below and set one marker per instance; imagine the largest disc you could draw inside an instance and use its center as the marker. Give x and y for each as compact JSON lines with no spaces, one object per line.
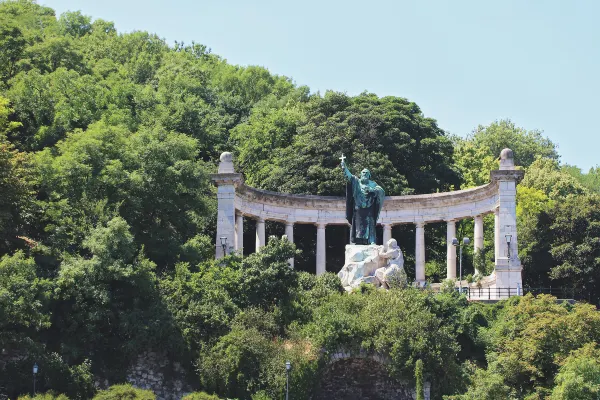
{"x":505,"y":293}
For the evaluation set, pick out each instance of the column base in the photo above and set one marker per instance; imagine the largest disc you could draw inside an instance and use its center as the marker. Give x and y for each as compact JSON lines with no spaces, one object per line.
{"x":508,"y":274}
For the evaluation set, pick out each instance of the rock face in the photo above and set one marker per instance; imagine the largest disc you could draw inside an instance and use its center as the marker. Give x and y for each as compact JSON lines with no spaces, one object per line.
{"x":371,"y":264}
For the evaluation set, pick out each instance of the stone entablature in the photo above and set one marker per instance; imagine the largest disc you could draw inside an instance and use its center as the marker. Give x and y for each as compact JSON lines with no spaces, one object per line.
{"x":237,"y":201}
{"x":311,"y":209}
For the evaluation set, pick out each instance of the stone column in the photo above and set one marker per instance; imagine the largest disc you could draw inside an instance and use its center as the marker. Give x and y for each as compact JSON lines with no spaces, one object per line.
{"x":239,"y":232}
{"x":225,"y":179}
{"x":508,"y":265}
{"x":260,"y":233}
{"x":289,"y":232}
{"x":450,"y":250}
{"x":321,"y":248}
{"x":420,"y":252}
{"x":478,"y":236}
{"x":387,"y":235}
{"x":496,"y":234}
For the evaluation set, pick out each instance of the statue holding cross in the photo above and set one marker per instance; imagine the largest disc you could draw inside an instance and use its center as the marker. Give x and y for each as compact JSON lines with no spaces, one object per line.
{"x":364,"y":201}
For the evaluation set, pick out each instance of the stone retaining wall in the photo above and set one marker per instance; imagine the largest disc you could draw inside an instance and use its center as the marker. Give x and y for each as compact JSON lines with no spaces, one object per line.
{"x":362,"y":378}
{"x":153,"y":371}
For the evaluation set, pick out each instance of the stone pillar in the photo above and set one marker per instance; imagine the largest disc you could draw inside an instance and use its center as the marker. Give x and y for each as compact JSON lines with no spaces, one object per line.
{"x":420,"y":252}
{"x":321,"y":248}
{"x":260,"y":233}
{"x":289,"y":232}
{"x":478,"y":237}
{"x":497,"y":243}
{"x":450,"y":250}
{"x":387,"y":235}
{"x":239,"y":232}
{"x":225,"y":179}
{"x":508,"y":265}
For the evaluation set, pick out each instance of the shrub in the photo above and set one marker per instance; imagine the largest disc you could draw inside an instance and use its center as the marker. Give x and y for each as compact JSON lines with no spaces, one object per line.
{"x":45,"y":396}
{"x":200,"y":396}
{"x":124,"y":392}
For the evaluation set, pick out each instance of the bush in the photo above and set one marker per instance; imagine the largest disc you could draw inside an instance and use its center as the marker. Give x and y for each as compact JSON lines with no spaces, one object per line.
{"x":124,"y":392}
{"x":45,"y":396}
{"x":235,"y":365}
{"x":261,"y":396}
{"x":200,"y":396}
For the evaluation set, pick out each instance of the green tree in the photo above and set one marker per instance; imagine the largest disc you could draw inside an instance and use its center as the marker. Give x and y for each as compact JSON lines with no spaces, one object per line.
{"x":526,"y":145}
{"x":75,"y":23}
{"x":106,"y":301}
{"x":151,"y":178}
{"x":575,"y":247}
{"x":591,"y":179}
{"x":23,"y":300}
{"x":474,"y":162}
{"x":16,"y":185}
{"x":405,"y":152}
{"x":532,"y":335}
{"x":202,"y":309}
{"x":12,"y":45}
{"x":579,"y":376}
{"x":485,"y":385}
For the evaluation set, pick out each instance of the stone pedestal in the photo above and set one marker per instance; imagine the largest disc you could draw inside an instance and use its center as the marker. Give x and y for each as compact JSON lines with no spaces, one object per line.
{"x":372,"y":264}
{"x":361,"y":262}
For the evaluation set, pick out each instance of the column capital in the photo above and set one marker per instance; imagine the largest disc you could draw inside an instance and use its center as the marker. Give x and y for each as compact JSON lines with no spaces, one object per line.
{"x":260,"y":219}
{"x":497,"y":210}
{"x":289,"y":223}
{"x":420,"y":224}
{"x":320,"y":225}
{"x":224,"y":179}
{"x":451,"y":220}
{"x":507,"y":175}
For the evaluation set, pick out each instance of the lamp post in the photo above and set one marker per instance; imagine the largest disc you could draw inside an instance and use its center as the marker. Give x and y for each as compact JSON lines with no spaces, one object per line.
{"x":455,"y":243}
{"x":288,"y":367}
{"x":508,"y":239}
{"x":224,"y":244}
{"x":35,"y":371}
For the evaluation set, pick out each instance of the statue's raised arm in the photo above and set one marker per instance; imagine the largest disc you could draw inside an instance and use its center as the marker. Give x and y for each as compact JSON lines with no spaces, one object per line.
{"x":347,"y":172}
{"x":364,"y":200}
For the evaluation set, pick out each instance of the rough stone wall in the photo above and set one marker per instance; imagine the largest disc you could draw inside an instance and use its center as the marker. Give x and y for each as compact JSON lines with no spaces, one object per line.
{"x":153,"y":371}
{"x":362,"y":378}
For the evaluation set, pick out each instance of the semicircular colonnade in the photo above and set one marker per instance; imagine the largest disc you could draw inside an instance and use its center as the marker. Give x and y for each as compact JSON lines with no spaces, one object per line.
{"x":237,"y":201}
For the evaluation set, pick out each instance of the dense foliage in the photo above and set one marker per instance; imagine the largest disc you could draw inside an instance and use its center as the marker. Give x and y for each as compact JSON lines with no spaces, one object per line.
{"x":107,"y":220}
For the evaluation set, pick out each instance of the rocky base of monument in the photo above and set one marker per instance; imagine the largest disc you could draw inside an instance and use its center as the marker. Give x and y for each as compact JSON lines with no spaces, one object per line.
{"x":372,"y":264}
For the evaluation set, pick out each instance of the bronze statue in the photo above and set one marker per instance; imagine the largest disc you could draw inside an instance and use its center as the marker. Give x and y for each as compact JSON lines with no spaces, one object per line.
{"x":364,"y":200}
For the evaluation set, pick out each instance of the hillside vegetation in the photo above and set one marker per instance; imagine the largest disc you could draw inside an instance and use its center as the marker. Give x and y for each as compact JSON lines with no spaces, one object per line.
{"x":107,"y":226}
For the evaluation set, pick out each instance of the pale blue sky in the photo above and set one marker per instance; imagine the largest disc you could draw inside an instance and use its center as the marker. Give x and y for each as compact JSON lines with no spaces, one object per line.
{"x":463,"y":62}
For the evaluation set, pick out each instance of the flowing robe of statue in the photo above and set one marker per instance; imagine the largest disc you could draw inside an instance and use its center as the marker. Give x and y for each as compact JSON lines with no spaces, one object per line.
{"x":364,"y":200}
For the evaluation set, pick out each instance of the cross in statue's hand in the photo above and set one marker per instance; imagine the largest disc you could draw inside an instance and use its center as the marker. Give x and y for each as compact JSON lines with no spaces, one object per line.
{"x":343,"y":158}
